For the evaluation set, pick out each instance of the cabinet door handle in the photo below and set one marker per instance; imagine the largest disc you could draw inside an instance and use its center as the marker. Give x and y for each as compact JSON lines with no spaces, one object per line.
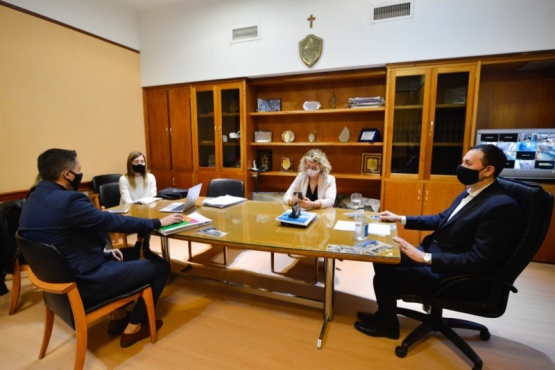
{"x":431,"y":133}
{"x":426,"y":196}
{"x":167,"y":132}
{"x":418,"y":197}
{"x":171,"y":131}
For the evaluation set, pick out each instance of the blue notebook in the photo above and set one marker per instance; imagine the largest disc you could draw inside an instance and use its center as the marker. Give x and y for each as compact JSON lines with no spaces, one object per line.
{"x":303,"y":220}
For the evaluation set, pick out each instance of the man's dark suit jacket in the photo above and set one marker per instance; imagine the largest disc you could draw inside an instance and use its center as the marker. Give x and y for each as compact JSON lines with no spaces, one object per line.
{"x":475,"y":239}
{"x":69,"y":221}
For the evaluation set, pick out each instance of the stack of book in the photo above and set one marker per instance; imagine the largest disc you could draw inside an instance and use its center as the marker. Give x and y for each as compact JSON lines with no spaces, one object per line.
{"x":372,"y":101}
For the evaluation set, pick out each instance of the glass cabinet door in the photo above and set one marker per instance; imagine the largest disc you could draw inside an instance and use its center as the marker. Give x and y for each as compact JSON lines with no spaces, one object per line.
{"x":230,"y":122}
{"x":449,"y":122}
{"x":408,"y":115}
{"x":205,"y":129}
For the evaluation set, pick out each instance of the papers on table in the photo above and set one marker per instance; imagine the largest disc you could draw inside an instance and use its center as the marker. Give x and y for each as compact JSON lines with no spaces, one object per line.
{"x":223,"y":201}
{"x":369,"y":247}
{"x":373,"y":227}
{"x":191,"y":221}
{"x":147,"y":200}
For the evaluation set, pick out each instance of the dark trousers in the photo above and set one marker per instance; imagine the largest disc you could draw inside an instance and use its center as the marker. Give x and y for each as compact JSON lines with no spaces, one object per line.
{"x":406,"y":277}
{"x":113,"y":278}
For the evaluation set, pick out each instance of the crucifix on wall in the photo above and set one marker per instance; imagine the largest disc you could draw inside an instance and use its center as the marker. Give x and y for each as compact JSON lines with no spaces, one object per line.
{"x":311,"y":19}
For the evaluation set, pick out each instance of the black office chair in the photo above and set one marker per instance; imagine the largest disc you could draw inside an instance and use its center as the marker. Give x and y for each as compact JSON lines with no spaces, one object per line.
{"x":51,"y":272}
{"x":99,"y":180}
{"x":219,"y":187}
{"x":485,"y":296}
{"x":109,"y":196}
{"x":11,"y":260}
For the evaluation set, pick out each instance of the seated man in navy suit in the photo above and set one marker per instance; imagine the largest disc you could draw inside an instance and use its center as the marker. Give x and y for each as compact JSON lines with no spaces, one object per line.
{"x":57,"y":213}
{"x":471,"y":236}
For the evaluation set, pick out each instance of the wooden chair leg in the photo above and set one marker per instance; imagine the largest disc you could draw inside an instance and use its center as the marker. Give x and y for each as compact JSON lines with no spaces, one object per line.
{"x":16,"y":287}
{"x":48,"y":324}
{"x":149,"y":304}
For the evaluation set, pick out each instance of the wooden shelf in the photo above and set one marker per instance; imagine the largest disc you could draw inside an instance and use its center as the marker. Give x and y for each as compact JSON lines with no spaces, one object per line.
{"x":336,"y":175}
{"x":319,"y":111}
{"x":317,"y":144}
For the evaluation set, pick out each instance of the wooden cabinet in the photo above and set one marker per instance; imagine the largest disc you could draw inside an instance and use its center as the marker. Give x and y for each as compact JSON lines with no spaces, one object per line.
{"x":518,"y":91}
{"x":218,"y":115}
{"x":168,"y":136}
{"x":318,"y":128}
{"x":430,"y":112}
{"x":412,"y":197}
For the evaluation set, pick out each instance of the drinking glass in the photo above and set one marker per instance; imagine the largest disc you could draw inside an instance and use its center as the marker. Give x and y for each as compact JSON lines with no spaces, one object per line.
{"x":356,"y":200}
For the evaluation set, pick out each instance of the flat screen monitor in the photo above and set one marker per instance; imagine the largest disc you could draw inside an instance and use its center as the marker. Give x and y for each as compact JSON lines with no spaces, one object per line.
{"x":530,"y":152}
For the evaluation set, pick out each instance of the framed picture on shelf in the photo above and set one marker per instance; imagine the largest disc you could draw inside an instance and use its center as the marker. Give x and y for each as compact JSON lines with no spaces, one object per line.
{"x":371,"y":163}
{"x":263,"y":136}
{"x":269,"y":105}
{"x":264,"y":160}
{"x":275,"y":105}
{"x":369,"y":135}
{"x":287,"y":164}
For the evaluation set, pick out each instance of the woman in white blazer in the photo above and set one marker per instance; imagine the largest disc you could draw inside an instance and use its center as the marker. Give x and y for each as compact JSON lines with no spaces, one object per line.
{"x":314,"y":182}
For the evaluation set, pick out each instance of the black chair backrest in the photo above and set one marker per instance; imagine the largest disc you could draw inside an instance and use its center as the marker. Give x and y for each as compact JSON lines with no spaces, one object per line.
{"x":109,"y":195}
{"x":9,"y":223}
{"x":99,"y":180}
{"x":48,"y":264}
{"x":218,"y":187}
{"x":490,"y":296}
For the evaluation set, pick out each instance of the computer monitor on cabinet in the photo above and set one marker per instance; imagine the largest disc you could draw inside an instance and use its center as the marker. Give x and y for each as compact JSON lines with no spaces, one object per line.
{"x":530,"y":152}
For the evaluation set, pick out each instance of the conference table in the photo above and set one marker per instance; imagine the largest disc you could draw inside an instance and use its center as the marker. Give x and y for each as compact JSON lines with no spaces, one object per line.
{"x":252,"y":225}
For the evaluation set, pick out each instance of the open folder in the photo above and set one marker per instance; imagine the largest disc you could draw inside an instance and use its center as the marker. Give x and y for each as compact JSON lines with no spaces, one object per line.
{"x":191,"y":221}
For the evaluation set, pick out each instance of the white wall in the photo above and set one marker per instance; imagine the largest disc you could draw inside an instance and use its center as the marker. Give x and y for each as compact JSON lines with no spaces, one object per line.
{"x":190,"y":41}
{"x":181,"y":43}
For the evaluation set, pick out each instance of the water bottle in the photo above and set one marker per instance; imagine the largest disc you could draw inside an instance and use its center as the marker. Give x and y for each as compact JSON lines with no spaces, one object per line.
{"x":361,"y":226}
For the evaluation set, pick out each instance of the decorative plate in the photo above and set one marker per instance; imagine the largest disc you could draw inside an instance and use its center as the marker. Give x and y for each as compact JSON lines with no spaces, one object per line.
{"x":311,"y":105}
{"x":288,"y":136}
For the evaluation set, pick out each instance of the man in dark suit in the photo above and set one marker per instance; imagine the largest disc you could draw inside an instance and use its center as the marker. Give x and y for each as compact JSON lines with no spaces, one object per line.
{"x":471,"y":236}
{"x":57,"y":213}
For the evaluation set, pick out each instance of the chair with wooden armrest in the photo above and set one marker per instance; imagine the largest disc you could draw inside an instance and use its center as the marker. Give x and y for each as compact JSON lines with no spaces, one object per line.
{"x":51,"y":272}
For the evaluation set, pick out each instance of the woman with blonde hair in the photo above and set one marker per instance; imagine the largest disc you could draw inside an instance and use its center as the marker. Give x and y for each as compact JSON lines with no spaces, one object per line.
{"x":314,"y":182}
{"x":137,"y":183}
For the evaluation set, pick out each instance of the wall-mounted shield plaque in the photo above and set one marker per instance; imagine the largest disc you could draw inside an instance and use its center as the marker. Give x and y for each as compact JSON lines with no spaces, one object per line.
{"x":310,"y":49}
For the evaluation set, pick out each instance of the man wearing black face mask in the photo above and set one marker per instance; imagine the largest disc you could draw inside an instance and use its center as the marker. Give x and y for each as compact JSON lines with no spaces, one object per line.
{"x":57,"y":214}
{"x":469,"y":237}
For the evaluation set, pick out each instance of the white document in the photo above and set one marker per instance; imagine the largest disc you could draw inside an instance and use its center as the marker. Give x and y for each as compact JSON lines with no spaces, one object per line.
{"x":147,"y":200}
{"x":223,"y":201}
{"x":373,"y":227}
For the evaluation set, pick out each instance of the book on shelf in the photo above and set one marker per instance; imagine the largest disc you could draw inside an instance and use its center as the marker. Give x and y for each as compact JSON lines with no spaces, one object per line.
{"x":223,"y":201}
{"x":191,"y":221}
{"x":303,"y":220}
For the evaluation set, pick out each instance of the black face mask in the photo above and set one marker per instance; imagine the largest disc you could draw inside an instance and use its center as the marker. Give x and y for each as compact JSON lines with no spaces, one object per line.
{"x":76,"y":180}
{"x":468,"y":176}
{"x":139,"y":168}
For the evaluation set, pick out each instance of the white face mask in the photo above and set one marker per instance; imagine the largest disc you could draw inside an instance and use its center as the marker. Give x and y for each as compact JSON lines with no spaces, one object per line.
{"x":312,"y":173}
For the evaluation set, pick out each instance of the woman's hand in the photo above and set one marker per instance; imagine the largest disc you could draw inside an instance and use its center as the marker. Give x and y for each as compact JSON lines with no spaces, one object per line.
{"x":171,"y":219}
{"x":308,"y":204}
